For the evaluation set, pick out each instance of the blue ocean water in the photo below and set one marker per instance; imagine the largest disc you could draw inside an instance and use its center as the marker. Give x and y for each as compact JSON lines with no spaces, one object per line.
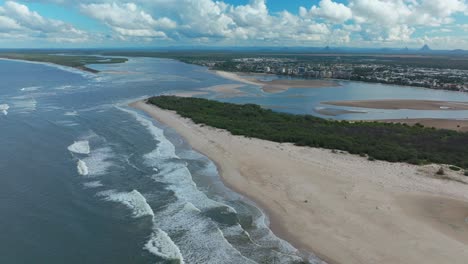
{"x":86,"y":179}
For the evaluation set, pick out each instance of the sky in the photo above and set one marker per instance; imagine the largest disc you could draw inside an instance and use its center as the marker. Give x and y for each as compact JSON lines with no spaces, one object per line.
{"x":442,"y":24}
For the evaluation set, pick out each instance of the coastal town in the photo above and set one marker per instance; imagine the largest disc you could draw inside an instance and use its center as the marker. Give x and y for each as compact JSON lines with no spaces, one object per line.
{"x":366,"y":71}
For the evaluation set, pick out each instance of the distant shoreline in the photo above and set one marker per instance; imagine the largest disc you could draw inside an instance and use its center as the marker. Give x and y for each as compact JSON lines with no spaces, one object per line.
{"x":396,"y":104}
{"x":278,"y":86}
{"x":332,"y":204}
{"x":80,"y":68}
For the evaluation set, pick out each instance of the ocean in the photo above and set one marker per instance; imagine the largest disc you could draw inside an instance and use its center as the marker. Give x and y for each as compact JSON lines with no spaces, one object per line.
{"x":86,"y":179}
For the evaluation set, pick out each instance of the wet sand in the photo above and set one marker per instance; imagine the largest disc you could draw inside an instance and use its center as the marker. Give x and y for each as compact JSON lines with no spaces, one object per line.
{"x":280,"y":85}
{"x":341,"y":207}
{"x":402,"y":104}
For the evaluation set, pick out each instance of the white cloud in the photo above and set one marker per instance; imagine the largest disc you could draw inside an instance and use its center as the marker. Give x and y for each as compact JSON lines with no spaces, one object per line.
{"x":334,"y":12}
{"x":18,"y":21}
{"x":216,"y":22}
{"x":127,"y":20}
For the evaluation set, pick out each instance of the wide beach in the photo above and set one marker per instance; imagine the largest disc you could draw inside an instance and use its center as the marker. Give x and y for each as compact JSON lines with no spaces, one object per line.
{"x":341,"y":207}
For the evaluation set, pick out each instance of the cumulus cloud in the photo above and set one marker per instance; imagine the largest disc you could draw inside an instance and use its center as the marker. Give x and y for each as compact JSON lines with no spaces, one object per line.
{"x":334,"y":12}
{"x":217,"y":22}
{"x":128,"y":20}
{"x":18,"y":21}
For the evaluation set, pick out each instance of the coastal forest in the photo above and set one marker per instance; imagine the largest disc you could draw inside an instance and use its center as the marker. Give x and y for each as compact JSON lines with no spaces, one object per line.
{"x":381,"y":141}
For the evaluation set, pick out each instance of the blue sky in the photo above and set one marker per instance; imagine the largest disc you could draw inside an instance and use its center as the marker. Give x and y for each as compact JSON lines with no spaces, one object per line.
{"x":159,"y":23}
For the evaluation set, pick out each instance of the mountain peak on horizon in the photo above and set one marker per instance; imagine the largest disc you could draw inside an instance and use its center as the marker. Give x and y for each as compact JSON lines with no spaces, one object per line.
{"x":425,"y":48}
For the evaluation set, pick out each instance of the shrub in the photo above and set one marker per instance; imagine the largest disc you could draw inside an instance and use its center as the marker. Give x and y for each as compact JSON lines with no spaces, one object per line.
{"x":440,"y":171}
{"x":455,"y":168}
{"x":371,"y":158}
{"x":466,"y":173}
{"x":390,"y":142}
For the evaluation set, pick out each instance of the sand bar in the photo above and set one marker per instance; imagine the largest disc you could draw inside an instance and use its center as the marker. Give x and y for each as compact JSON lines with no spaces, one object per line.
{"x":279,"y":85}
{"x":342,"y":207}
{"x":402,"y":104}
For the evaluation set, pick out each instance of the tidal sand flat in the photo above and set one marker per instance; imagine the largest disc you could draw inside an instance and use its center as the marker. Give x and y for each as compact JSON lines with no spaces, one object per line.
{"x":342,"y":207}
{"x":222,"y":90}
{"x":280,"y":85}
{"x":402,"y":104}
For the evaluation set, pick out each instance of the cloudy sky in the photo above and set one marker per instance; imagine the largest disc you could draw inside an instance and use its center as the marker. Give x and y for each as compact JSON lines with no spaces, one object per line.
{"x":442,"y":24}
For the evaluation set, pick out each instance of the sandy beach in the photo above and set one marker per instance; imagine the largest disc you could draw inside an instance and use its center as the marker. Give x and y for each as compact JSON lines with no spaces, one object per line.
{"x":402,"y":104}
{"x":278,"y":86}
{"x":341,"y":207}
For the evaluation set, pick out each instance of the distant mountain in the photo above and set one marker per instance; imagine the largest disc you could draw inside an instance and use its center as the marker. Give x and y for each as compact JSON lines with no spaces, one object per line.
{"x":425,"y":48}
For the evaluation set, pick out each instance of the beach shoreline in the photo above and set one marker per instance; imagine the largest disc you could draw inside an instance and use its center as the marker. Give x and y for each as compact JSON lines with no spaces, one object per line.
{"x":332,"y":204}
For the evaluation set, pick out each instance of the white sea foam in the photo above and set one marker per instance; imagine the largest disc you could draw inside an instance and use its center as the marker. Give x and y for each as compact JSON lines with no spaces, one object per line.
{"x":202,"y":240}
{"x":93,"y":184}
{"x":82,"y":168}
{"x":80,"y":147}
{"x":165,"y":148}
{"x":133,"y":200}
{"x":4,"y":109}
{"x":30,"y":89}
{"x":161,"y":245}
{"x":25,"y":104}
{"x":63,"y":87}
{"x":98,"y":161}
{"x":198,"y":237}
{"x":72,"y":113}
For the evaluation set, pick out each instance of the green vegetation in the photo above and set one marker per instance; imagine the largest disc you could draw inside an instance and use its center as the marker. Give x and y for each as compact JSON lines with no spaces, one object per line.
{"x":455,"y":168}
{"x":466,"y":173}
{"x":382,"y":141}
{"x":78,"y":61}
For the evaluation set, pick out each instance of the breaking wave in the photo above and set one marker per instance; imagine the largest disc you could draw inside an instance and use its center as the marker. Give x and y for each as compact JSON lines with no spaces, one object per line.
{"x":82,"y":168}
{"x":30,"y":89}
{"x":93,"y":184}
{"x":134,"y":200}
{"x":4,"y":108}
{"x":161,"y":245}
{"x":80,"y":147}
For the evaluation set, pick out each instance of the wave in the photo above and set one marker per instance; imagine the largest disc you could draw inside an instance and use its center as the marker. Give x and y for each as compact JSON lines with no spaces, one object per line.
{"x":80,"y":147}
{"x":199,"y":237}
{"x":93,"y":184}
{"x":4,"y":109}
{"x":30,"y":89}
{"x":99,"y":161}
{"x":165,"y":148}
{"x":72,"y":113}
{"x":161,"y":245}
{"x":63,"y":87}
{"x":25,"y":104}
{"x":133,"y":200}
{"x":82,"y":168}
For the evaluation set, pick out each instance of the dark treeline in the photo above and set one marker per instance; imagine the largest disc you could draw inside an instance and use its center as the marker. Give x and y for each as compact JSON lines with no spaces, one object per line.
{"x":390,"y":142}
